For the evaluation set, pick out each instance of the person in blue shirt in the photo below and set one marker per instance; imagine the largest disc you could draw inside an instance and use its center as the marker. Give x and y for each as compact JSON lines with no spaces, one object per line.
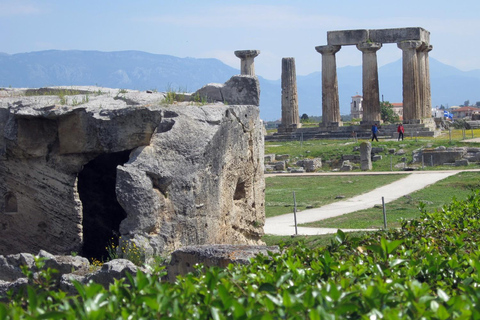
{"x":374,"y":132}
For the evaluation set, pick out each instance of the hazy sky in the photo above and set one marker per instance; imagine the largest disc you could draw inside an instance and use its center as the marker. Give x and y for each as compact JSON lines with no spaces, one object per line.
{"x":214,"y":29}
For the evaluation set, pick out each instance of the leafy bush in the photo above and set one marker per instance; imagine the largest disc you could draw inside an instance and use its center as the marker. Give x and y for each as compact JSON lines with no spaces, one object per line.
{"x":427,"y":269}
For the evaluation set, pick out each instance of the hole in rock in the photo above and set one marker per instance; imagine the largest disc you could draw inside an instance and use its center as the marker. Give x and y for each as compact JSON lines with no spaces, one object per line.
{"x":102,"y":214}
{"x":239,"y":191}
{"x":10,"y":203}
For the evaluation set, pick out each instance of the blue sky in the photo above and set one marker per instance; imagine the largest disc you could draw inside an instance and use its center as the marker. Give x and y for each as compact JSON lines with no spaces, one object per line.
{"x":214,"y":29}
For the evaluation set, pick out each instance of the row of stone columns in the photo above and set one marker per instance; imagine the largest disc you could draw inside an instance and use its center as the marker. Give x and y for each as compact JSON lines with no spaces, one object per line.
{"x":416,"y":82}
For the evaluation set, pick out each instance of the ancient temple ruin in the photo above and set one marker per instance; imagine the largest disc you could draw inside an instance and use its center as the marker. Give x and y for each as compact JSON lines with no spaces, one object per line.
{"x":82,"y":170}
{"x":415,"y":46}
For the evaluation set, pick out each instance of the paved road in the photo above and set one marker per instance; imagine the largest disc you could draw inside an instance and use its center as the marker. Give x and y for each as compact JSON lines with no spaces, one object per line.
{"x":416,"y":180}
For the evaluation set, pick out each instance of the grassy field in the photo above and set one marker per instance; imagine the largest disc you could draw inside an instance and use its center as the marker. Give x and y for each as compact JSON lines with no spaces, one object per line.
{"x":433,"y":197}
{"x":320,"y":190}
{"x":316,"y":191}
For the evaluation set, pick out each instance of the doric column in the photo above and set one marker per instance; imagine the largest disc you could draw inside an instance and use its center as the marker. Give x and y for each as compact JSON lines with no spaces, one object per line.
{"x":411,"y":108}
{"x":371,"y":96}
{"x":247,"y":66}
{"x":422,"y":80}
{"x":290,"y":117}
{"x":330,"y":101}
{"x":428,"y":92}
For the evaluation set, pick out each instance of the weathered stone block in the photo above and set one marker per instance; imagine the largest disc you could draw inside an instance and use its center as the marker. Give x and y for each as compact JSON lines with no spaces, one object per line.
{"x":461,"y":162}
{"x":365,"y":156}
{"x":346,"y":166}
{"x":396,"y":35}
{"x":173,"y":175}
{"x":282,"y":157}
{"x":269,"y":157}
{"x":376,"y":157}
{"x":347,"y":37}
{"x":377,"y":149}
{"x":280,"y":165}
{"x":184,"y":259}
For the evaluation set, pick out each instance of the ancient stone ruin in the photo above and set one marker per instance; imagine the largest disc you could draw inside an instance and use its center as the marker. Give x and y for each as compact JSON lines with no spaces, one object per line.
{"x":415,"y":45}
{"x":84,"y":167}
{"x":290,"y":116}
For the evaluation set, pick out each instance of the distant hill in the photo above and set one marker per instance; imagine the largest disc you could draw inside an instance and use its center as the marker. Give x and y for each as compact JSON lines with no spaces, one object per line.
{"x":146,"y":71}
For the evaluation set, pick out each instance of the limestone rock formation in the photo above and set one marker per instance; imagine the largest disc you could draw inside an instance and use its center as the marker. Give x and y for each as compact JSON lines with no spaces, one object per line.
{"x":83,"y":168}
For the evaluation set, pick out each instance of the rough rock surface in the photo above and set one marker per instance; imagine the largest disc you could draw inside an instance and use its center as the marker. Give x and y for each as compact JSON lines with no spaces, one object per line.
{"x":80,"y":170}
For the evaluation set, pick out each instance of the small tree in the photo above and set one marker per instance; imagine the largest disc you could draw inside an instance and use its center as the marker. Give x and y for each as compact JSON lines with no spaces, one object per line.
{"x":477,"y":104}
{"x":304,"y":118}
{"x":466,"y":103}
{"x":387,"y":113}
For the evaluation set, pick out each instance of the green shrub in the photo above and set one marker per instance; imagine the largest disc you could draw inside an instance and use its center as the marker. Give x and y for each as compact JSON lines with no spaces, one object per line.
{"x":427,"y":269}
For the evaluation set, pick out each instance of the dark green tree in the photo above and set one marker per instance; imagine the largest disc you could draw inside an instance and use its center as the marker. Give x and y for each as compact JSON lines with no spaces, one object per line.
{"x":387,"y":114}
{"x":304,"y":118}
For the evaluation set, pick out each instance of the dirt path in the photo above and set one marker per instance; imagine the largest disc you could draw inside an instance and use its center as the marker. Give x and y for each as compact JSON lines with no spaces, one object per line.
{"x":416,"y":180}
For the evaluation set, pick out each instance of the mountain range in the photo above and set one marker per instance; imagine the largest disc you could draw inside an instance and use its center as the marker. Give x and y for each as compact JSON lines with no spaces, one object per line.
{"x":145,"y":71}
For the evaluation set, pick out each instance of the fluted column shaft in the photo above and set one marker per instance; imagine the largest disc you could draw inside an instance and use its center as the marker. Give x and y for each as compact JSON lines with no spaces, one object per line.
{"x":290,"y":116}
{"x":411,"y":106}
{"x":330,"y":100}
{"x":422,"y":80}
{"x":428,"y":92}
{"x":371,"y":96}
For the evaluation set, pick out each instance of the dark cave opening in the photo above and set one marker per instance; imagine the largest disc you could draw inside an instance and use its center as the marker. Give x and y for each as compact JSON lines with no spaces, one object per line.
{"x":102,"y":214}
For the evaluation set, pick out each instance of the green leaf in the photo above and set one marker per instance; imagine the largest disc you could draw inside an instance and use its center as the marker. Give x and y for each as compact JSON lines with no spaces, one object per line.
{"x":442,"y":313}
{"x":215,"y":313}
{"x":3,"y":311}
{"x":340,"y":236}
{"x":32,"y":300}
{"x":52,"y":315}
{"x":150,"y":301}
{"x":442,"y":295}
{"x":268,"y":287}
{"x":393,"y":245}
{"x":314,"y":314}
{"x":287,"y":300}
{"x":238,"y":309}
{"x":396,"y":262}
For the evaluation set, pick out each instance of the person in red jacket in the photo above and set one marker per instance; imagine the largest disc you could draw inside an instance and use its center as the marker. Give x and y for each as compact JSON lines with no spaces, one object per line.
{"x":401,"y":131}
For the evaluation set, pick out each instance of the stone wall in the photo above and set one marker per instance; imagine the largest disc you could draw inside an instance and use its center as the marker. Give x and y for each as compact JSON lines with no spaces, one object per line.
{"x":80,"y":172}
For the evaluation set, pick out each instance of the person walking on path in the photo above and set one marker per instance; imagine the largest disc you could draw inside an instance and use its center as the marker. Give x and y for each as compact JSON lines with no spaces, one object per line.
{"x":401,"y":131}
{"x":374,"y":132}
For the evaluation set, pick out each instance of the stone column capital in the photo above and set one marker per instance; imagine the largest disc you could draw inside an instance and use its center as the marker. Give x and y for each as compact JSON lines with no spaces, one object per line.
{"x":368,"y":47}
{"x":247,"y":61}
{"x":328,"y":49}
{"x":409,"y":45}
{"x":243,"y":54}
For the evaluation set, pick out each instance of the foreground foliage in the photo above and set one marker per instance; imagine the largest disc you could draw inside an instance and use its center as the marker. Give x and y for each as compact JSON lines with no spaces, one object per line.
{"x":427,"y":269}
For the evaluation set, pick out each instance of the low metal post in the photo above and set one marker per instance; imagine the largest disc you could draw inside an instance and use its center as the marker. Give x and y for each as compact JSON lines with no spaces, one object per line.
{"x":431,"y":160}
{"x":391,"y":163}
{"x":295,"y":212}
{"x":423,"y":161}
{"x":450,"y":134}
{"x":384,"y":214}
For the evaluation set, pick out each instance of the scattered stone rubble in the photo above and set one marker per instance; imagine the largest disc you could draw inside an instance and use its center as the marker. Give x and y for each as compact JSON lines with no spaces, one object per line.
{"x":76,"y":268}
